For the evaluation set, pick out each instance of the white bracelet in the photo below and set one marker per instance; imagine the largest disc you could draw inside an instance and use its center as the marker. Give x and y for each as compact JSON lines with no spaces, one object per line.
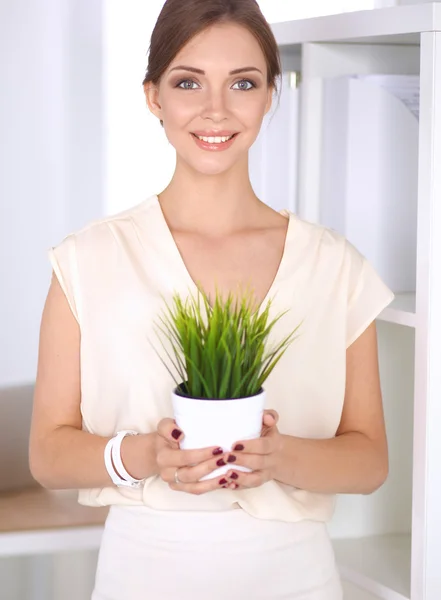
{"x":116,"y":456}
{"x":113,"y":462}
{"x":109,"y":466}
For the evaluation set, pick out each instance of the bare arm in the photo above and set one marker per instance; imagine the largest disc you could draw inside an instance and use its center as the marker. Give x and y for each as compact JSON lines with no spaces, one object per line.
{"x":61,"y":454}
{"x":356,"y":460}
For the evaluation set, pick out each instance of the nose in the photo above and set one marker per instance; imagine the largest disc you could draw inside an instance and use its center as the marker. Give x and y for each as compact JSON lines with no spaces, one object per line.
{"x":216,"y":105}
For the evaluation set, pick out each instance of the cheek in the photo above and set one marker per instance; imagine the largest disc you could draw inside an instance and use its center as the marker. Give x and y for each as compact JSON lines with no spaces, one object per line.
{"x":179,"y":113}
{"x":250,"y":111}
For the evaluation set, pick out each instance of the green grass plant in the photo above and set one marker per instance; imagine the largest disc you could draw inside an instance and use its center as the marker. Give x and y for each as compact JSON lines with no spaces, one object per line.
{"x":219,"y":351}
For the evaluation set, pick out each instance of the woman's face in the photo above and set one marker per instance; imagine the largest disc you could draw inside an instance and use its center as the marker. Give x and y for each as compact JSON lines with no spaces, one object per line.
{"x":213,"y":101}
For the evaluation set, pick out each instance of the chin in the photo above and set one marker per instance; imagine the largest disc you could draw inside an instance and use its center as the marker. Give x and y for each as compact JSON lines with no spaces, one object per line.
{"x":214,"y":170}
{"x":212,"y":167}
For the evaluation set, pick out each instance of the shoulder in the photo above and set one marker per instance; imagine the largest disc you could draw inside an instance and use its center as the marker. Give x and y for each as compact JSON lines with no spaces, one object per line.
{"x":335,"y":270}
{"x":324,"y":244}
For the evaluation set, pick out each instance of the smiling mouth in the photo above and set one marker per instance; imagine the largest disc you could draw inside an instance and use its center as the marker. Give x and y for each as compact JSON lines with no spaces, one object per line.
{"x":215,"y":139}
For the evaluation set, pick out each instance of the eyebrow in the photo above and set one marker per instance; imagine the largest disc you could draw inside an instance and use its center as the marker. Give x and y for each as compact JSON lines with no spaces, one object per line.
{"x":201,"y":72}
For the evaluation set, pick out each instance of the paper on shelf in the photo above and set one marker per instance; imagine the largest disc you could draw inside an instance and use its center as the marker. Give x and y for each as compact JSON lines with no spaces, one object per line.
{"x":404,"y":87}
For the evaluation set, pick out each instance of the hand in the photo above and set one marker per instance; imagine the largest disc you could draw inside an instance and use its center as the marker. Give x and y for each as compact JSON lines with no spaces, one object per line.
{"x":191,"y":464}
{"x":260,"y":455}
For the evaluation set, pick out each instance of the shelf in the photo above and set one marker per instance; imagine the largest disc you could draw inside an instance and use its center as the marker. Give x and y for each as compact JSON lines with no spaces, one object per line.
{"x":401,"y":311}
{"x":397,"y":25}
{"x":379,"y":564}
{"x":352,"y":592}
{"x":35,"y":520}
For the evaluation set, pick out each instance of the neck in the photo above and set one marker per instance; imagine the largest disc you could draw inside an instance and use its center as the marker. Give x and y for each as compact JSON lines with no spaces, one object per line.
{"x":210,"y":204}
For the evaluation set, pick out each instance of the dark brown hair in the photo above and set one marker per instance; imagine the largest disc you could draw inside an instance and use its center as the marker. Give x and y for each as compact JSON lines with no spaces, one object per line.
{"x":180,"y":20}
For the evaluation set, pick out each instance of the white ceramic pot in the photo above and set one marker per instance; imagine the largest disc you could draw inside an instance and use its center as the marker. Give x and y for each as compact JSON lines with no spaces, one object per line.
{"x":221,"y":423}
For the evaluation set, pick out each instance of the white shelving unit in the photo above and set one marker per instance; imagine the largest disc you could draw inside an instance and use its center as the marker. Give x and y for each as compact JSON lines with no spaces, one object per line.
{"x":401,"y":311}
{"x":378,"y":564}
{"x":388,"y":545}
{"x":38,"y":521}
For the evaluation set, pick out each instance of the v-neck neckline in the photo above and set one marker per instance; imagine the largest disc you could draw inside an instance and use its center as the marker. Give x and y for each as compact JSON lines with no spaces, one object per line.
{"x":188,"y":279}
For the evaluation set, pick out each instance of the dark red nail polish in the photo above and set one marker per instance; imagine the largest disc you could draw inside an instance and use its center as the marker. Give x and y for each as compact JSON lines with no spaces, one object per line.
{"x":221,"y":463}
{"x":218,"y":451}
{"x":223,"y":482}
{"x":239,"y":447}
{"x":231,"y":458}
{"x":234,"y":476}
{"x":176,"y":434}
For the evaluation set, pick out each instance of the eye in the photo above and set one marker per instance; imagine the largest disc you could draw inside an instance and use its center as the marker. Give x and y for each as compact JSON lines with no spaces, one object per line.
{"x":245,"y":85}
{"x":245,"y":81}
{"x":190,"y":81}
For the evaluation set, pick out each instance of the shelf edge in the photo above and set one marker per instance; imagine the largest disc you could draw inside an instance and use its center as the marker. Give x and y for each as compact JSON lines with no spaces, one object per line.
{"x":421,"y":18}
{"x":398,"y":317}
{"x":370,"y":585}
{"x":48,"y":542}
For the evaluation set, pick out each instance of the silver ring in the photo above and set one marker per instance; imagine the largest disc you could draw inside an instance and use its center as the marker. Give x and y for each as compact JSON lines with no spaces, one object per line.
{"x":177,"y":480}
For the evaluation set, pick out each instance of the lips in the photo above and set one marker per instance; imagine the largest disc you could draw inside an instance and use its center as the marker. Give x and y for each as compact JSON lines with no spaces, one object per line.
{"x":223,"y":133}
{"x":230,"y":135}
{"x":214,"y":146}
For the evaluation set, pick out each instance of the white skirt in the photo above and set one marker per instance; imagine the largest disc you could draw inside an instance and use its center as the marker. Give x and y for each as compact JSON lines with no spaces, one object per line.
{"x":147,"y":554}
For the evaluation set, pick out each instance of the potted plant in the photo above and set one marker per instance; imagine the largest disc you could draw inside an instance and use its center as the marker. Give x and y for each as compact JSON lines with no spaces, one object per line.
{"x":221,"y":362}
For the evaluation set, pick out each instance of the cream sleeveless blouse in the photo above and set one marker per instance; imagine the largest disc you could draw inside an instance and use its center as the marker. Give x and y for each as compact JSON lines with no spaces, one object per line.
{"x":116,"y":273}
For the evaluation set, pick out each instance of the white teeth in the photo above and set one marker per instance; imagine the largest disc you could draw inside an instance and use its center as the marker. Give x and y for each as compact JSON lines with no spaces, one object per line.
{"x":215,"y":140}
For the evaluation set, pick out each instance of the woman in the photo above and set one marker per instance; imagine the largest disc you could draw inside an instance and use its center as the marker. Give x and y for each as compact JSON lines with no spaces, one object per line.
{"x":212,"y":73}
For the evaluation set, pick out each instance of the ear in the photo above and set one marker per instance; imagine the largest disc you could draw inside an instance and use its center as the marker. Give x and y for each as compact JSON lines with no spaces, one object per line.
{"x":151,"y":92}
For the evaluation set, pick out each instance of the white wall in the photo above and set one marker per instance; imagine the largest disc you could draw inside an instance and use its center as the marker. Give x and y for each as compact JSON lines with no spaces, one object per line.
{"x":50,"y":156}
{"x":32,"y":159}
{"x":51,"y":182}
{"x":139,"y":159}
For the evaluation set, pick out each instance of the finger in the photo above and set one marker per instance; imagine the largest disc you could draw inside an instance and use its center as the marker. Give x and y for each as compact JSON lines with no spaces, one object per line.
{"x":269,"y":420}
{"x":261,"y":445}
{"x":193,"y":474}
{"x":239,"y":479}
{"x":255,"y":462}
{"x":200,"y":487}
{"x":168,"y":429}
{"x":267,"y":424}
{"x":171,"y":457}
{"x":271,"y":413}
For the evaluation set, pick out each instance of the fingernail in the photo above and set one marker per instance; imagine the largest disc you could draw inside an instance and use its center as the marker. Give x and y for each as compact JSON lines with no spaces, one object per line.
{"x":239,"y":447}
{"x":234,"y":476}
{"x":221,"y":463}
{"x":176,"y":434}
{"x":231,"y":458}
{"x":223,"y":482}
{"x":218,"y":451}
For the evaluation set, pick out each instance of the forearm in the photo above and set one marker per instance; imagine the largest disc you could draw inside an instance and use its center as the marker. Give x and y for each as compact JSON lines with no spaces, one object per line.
{"x":70,"y":458}
{"x":347,"y":464}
